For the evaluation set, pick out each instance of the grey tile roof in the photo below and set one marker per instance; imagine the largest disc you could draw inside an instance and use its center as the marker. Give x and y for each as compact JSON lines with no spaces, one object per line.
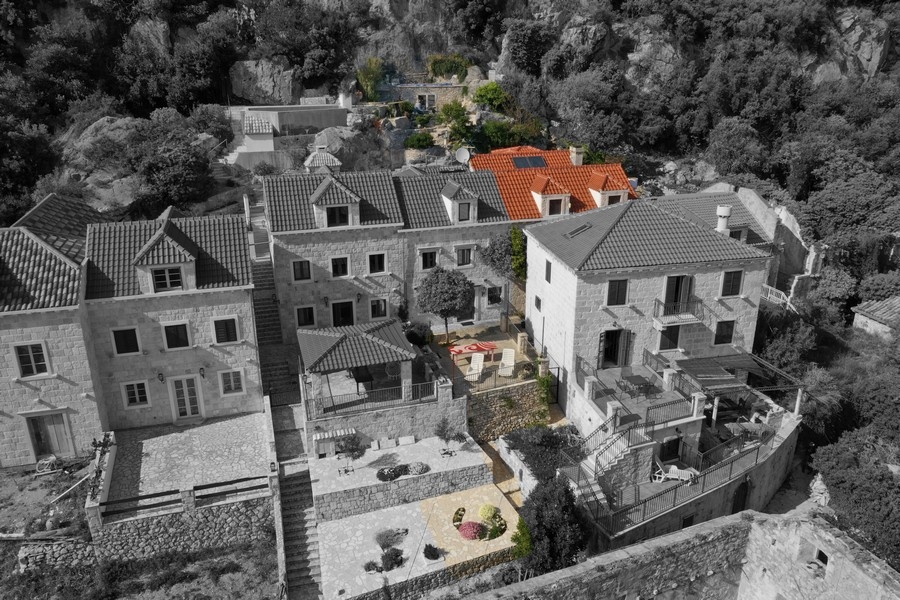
{"x":332,"y":192}
{"x":222,"y":253}
{"x":636,"y":234}
{"x":169,"y":245}
{"x":886,"y":311}
{"x":704,"y":205}
{"x":422,"y":206}
{"x":62,"y":223}
{"x":321,"y":158}
{"x":338,"y":348}
{"x":33,"y":275}
{"x":289,"y":198}
{"x":254,"y":124}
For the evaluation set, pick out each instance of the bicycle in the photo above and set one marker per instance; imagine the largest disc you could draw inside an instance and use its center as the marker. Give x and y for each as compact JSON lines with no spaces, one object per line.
{"x":47,"y":464}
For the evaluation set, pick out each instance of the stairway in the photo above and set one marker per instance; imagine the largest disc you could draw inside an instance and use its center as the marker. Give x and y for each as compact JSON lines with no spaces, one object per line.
{"x":301,"y":542}
{"x":260,"y":228}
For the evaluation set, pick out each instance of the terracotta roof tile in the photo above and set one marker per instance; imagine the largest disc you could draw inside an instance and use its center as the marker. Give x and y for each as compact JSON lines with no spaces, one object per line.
{"x":503,"y":159}
{"x":546,"y":186}
{"x":33,"y":275}
{"x":321,"y":158}
{"x":886,"y":312}
{"x":338,"y":348}
{"x":62,"y":223}
{"x":255,"y":124}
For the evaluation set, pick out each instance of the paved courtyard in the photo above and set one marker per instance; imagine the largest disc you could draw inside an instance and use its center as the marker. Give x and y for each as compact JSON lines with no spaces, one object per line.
{"x":166,"y":457}
{"x":347,"y":544}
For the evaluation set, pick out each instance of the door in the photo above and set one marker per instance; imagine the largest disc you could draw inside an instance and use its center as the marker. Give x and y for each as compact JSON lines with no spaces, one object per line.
{"x":469,"y":313}
{"x":186,"y":397}
{"x":739,"y":502}
{"x":342,"y":313}
{"x":49,"y":435}
{"x":678,"y":292}
{"x":612,"y":347}
{"x":669,"y":450}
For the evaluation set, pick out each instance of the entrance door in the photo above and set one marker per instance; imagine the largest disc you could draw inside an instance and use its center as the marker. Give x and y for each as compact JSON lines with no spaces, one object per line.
{"x":469,"y":313}
{"x":678,"y":292}
{"x":669,"y":450}
{"x":739,"y":502}
{"x":49,"y":435}
{"x":612,"y":347}
{"x":186,"y":397}
{"x":342,"y":313}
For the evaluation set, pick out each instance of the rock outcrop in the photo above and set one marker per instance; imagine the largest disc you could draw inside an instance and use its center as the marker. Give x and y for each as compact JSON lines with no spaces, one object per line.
{"x":266,"y":81}
{"x":153,"y":34}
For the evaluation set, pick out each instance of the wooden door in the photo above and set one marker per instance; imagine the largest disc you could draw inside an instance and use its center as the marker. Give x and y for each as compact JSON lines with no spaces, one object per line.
{"x":49,"y":435}
{"x":187,"y":397}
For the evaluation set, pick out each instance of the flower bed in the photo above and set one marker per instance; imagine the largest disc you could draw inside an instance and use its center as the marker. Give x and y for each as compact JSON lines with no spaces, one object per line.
{"x":492,"y":524}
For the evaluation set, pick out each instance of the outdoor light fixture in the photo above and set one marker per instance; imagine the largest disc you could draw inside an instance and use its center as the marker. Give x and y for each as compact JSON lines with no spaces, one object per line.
{"x":273,"y":467}
{"x":325,"y":301}
{"x":202,"y":372}
{"x":161,"y":377}
{"x":358,"y":297}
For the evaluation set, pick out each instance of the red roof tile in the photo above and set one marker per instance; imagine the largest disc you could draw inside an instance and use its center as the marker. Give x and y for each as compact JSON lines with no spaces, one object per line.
{"x":546,"y":186}
{"x":502,"y":160}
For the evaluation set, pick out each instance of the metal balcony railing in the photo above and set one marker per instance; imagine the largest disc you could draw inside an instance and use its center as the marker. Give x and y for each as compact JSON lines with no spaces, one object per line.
{"x":675,"y":313}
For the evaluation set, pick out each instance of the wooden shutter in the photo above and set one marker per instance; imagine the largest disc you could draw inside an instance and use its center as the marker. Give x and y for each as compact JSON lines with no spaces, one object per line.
{"x":600,"y":346}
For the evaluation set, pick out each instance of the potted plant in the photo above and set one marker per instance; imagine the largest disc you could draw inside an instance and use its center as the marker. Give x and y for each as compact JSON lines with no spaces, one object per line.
{"x":447,"y":434}
{"x":432,"y":553}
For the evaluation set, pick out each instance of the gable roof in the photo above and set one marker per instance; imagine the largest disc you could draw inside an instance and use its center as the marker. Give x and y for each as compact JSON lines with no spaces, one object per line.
{"x":544,"y":185}
{"x":331,"y":192}
{"x":636,"y":234}
{"x":34,"y":275}
{"x":62,"y":223}
{"x":504,"y":159}
{"x":886,"y":312}
{"x":422,"y":206}
{"x":289,"y":198}
{"x":516,"y":187}
{"x":339,"y":348}
{"x":218,"y":244}
{"x":704,"y":205}
{"x":321,"y":158}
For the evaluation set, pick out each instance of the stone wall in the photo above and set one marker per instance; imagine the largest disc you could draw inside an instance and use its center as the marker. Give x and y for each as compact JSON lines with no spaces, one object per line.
{"x":414,"y":488}
{"x":214,"y":526}
{"x":503,"y":410}
{"x":513,"y":459}
{"x":49,"y":555}
{"x":442,"y":94}
{"x":636,"y":466}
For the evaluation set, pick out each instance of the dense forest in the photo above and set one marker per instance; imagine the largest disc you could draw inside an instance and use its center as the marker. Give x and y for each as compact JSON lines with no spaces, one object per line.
{"x":798,"y":99}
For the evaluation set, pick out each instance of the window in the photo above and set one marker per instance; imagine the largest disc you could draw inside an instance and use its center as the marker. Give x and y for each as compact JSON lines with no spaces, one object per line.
{"x":225,"y":330}
{"x":306,"y":316}
{"x":614,"y":200}
{"x":537,"y":302}
{"x":668,"y":337}
{"x":378,"y":308}
{"x":548,"y":267}
{"x":125,"y":341}
{"x":687,"y":521}
{"x":166,"y":279}
{"x":555,"y":207}
{"x":134,"y":393}
{"x":376,"y":263}
{"x":340,"y":266}
{"x":617,"y":293}
{"x":232,"y":382}
{"x":429,"y":259}
{"x":464,"y":211}
{"x":731,"y":283}
{"x":302,"y":270}
{"x":337,"y":216}
{"x":463,"y":257}
{"x":32,"y":360}
{"x":822,"y":557}
{"x":176,"y":336}
{"x":494,"y":295}
{"x":736,"y":234}
{"x":724,"y":332}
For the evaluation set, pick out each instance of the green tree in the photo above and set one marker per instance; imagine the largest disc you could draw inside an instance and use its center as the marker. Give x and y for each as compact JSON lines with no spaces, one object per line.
{"x":552,"y":520}
{"x":143,"y":74}
{"x":880,"y":286}
{"x":734,"y":147}
{"x":498,"y":254}
{"x":369,"y":76}
{"x":526,"y":42}
{"x":519,"y":258}
{"x":446,"y":294}
{"x":26,"y":155}
{"x":492,"y":96}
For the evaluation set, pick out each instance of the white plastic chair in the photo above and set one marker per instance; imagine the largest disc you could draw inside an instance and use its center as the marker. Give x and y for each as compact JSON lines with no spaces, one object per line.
{"x":476,"y":366}
{"x":507,"y":362}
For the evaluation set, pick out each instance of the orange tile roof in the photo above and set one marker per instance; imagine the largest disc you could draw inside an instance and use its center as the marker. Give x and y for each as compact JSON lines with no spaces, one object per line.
{"x":516,"y":186}
{"x":502,"y":160}
{"x":542,"y":184}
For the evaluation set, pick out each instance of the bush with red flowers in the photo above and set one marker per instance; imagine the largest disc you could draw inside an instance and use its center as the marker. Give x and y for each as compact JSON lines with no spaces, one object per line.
{"x":471,"y":530}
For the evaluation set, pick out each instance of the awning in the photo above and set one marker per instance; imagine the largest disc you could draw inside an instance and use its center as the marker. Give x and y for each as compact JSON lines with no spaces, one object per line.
{"x":337,"y":433}
{"x":712,"y":373}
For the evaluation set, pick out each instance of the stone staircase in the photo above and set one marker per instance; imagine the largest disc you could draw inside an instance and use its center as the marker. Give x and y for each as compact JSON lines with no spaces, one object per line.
{"x":260,"y":229}
{"x":301,"y":542}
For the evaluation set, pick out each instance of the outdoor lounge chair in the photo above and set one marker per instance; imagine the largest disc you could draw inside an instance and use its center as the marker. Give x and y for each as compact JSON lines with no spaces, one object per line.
{"x":664,"y":472}
{"x":507,"y":362}
{"x":475,"y":367}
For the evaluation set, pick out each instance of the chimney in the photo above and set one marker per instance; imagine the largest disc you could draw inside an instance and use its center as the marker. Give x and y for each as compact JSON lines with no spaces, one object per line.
{"x":576,"y":155}
{"x":723,"y":212}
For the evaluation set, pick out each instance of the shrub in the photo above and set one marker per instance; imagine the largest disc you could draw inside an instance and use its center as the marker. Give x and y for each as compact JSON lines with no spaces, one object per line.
{"x":369,"y":75}
{"x":419,"y":333}
{"x":497,"y":528}
{"x":420,"y":140}
{"x":391,"y":559}
{"x":522,"y":540}
{"x":539,"y":446}
{"x":447,"y":65}
{"x":487,"y":512}
{"x":372,"y":567}
{"x":387,"y":538}
{"x":263,"y":168}
{"x":392,"y":473}
{"x":423,"y":120}
{"x":458,"y":516}
{"x":492,"y":96}
{"x":431,"y":552}
{"x":472,"y":530}
{"x":880,"y":286}
{"x":418,"y":468}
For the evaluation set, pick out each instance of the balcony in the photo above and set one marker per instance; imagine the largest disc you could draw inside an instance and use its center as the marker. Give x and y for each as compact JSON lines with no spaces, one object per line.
{"x":666,"y":314}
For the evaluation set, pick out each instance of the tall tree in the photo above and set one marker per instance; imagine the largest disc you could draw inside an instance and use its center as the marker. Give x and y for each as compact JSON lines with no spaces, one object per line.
{"x":552,"y":520}
{"x":446,"y":294}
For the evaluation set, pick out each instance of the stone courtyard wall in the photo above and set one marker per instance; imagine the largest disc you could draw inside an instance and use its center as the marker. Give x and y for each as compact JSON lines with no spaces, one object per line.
{"x":356,"y":501}
{"x":48,"y":555}
{"x":496,"y":412}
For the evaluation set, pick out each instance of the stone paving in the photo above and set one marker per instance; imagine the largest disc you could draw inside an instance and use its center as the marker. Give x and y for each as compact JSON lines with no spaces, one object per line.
{"x":289,"y":444}
{"x":169,"y":457}
{"x":347,"y":544}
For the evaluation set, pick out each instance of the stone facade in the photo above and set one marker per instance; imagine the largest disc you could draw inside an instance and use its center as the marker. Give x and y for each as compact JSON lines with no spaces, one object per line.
{"x":633,"y":467}
{"x":49,"y":555}
{"x":413,"y":488}
{"x":513,"y":459}
{"x":214,"y":526}
{"x":496,"y":412}
{"x":872,"y":326}
{"x":66,"y":397}
{"x":147,"y":313}
{"x":443,"y":93}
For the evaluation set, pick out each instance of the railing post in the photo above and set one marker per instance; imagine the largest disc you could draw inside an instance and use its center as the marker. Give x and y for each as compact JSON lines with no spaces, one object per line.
{"x":730,"y":469}
{"x":189,"y":500}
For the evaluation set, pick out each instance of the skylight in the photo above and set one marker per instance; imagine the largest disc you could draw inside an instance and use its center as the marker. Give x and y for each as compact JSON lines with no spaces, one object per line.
{"x":577,"y":230}
{"x":525,"y":162}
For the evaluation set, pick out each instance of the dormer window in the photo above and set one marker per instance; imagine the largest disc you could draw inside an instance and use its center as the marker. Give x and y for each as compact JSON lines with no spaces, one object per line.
{"x":614,"y":199}
{"x":550,"y":197}
{"x":461,"y":204}
{"x":555,"y":207}
{"x":337,"y":216}
{"x":167,"y":279}
{"x":465,"y":209}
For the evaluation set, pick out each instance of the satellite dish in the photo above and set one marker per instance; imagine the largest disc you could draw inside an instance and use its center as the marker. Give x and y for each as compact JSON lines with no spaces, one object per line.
{"x":463,"y":155}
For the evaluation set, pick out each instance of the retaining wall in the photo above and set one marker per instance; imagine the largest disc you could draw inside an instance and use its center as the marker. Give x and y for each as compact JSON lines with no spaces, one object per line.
{"x":496,"y":412}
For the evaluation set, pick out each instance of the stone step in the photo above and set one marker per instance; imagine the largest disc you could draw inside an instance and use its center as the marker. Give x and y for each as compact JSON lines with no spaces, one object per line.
{"x":301,"y":589}
{"x":301,"y":559}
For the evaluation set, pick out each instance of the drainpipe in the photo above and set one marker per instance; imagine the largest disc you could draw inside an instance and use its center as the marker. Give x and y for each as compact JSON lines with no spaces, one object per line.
{"x":798,"y":402}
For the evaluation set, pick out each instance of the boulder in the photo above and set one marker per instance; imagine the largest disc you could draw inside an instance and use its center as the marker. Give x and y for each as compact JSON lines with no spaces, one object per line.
{"x":864,"y":39}
{"x":152,"y":33}
{"x":117,"y":129}
{"x":474,"y":73}
{"x":653,"y":57}
{"x":266,"y":81}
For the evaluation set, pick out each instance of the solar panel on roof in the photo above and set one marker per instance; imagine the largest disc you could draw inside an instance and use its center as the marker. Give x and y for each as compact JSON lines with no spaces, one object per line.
{"x":524,"y":162}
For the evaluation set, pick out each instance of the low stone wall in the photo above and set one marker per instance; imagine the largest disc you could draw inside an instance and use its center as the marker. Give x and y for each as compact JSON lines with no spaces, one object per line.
{"x":413,"y":488}
{"x":186,"y":531}
{"x":48,"y":555}
{"x":503,"y":410}
{"x":417,"y":587}
{"x":514,"y":460}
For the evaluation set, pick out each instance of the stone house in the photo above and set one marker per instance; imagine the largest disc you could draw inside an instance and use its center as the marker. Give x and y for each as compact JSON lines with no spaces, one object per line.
{"x":170,"y":318}
{"x":49,"y":404}
{"x":878,"y":317}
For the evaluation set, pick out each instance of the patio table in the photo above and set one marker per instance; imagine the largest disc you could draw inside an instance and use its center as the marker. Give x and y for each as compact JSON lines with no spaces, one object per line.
{"x":472,"y":348}
{"x":639,"y":383}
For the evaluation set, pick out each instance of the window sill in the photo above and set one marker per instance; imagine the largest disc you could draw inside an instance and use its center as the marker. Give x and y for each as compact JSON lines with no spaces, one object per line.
{"x":179,"y":349}
{"x":126,"y":355}
{"x":30,"y":378}
{"x":138,"y":406}
{"x":232,"y":394}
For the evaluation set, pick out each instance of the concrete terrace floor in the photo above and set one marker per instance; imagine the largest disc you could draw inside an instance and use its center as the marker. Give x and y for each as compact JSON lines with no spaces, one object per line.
{"x":345,"y":545}
{"x":168,"y":457}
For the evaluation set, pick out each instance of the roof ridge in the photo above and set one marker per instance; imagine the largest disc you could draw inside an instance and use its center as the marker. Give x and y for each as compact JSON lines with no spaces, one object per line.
{"x":338,"y":339}
{"x":379,"y":326}
{"x":626,"y":206}
{"x":36,"y":238}
{"x":702,"y":225}
{"x":164,"y":232}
